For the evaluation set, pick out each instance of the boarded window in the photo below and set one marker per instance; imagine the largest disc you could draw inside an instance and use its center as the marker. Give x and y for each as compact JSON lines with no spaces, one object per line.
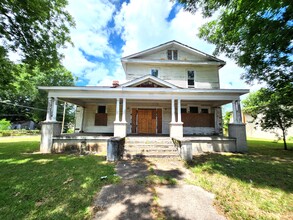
{"x":190,"y":78}
{"x":101,"y":119}
{"x":198,"y":120}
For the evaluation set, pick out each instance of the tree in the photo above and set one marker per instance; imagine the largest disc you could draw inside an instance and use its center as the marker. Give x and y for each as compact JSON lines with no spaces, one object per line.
{"x":34,"y":29}
{"x":272,"y":108}
{"x":256,"y":34}
{"x":23,"y":101}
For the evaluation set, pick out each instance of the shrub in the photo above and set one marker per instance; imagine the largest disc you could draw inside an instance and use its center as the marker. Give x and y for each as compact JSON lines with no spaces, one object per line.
{"x":4,"y":124}
{"x":6,"y":133}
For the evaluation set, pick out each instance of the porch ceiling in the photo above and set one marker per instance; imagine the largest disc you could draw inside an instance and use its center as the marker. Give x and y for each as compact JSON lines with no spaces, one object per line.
{"x":84,"y":102}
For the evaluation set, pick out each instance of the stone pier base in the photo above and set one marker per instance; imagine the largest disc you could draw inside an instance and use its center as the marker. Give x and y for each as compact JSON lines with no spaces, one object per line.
{"x":238,"y":131}
{"x":49,"y":130}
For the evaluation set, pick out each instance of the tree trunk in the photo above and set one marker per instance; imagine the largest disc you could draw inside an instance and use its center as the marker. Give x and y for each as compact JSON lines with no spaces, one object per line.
{"x":284,"y":139}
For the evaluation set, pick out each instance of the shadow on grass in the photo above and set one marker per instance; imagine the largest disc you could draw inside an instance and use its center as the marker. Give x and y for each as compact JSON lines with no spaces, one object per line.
{"x":266,"y":165}
{"x":36,"y":186}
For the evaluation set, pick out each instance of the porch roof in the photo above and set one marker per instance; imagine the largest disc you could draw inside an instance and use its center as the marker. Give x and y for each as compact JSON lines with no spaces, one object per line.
{"x":88,"y":94}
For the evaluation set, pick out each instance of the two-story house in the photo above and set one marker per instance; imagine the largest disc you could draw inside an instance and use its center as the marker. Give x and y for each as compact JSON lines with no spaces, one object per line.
{"x":171,"y":89}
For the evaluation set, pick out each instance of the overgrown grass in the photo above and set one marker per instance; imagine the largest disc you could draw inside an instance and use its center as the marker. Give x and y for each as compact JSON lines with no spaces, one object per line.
{"x":36,"y":186}
{"x":257,"y":185}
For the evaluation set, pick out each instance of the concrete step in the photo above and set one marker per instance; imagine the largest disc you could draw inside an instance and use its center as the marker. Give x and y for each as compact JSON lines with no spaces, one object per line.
{"x":149,"y":145}
{"x":134,"y":156}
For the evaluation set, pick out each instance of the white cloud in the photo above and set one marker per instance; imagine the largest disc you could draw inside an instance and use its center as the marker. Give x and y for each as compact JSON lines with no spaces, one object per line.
{"x":90,"y":37}
{"x":143,"y":25}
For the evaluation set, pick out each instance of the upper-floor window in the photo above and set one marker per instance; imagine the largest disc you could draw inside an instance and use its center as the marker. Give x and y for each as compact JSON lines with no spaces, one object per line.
{"x":190,"y":78}
{"x":155,"y":72}
{"x":172,"y":54}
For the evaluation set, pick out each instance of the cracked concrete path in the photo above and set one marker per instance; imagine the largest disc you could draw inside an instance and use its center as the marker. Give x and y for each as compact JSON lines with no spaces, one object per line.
{"x":132,"y":199}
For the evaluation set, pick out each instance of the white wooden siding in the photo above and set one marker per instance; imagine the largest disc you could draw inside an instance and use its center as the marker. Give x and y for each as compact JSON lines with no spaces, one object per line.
{"x":205,"y":77}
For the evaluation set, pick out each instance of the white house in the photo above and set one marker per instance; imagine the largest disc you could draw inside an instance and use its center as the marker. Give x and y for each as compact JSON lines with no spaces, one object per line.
{"x":171,"y":89}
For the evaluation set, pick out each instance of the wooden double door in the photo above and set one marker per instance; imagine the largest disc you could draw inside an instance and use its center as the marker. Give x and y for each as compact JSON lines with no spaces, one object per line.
{"x":147,"y":121}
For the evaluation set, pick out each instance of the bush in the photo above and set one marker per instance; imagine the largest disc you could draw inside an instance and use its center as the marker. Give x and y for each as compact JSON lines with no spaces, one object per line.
{"x":4,"y":124}
{"x":7,"y":133}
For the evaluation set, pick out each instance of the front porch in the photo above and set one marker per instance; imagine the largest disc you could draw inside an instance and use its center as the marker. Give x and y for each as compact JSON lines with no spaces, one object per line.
{"x":171,"y":112}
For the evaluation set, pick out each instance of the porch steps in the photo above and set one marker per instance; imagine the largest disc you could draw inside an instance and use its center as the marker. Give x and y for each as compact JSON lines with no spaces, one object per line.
{"x":145,"y":147}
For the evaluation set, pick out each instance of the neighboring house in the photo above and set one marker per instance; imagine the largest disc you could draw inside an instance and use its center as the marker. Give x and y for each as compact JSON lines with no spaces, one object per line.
{"x":171,"y":89}
{"x":28,"y":125}
{"x":254,"y":130}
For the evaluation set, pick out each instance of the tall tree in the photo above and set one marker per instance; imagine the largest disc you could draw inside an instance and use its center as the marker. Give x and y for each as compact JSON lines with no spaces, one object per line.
{"x":23,"y":101}
{"x":257,"y":34}
{"x":272,"y":109}
{"x":34,"y":29}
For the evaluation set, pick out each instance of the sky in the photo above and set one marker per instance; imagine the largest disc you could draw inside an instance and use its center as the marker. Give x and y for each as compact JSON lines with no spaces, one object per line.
{"x":107,"y":30}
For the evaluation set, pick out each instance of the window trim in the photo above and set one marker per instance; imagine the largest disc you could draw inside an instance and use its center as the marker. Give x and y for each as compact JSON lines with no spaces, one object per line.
{"x":172,"y":56}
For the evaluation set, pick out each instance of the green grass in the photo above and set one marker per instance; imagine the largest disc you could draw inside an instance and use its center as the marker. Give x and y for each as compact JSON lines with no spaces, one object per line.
{"x":257,"y":185}
{"x":52,"y":186}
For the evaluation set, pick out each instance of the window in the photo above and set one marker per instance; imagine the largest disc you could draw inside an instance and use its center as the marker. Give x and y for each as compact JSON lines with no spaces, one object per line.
{"x":193,"y":109}
{"x":172,"y":54}
{"x":183,"y":110}
{"x":190,"y":78}
{"x":101,"y":109}
{"x":155,"y":72}
{"x":204,"y":110}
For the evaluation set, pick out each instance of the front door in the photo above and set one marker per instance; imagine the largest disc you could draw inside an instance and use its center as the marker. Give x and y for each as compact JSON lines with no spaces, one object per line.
{"x":147,"y":121}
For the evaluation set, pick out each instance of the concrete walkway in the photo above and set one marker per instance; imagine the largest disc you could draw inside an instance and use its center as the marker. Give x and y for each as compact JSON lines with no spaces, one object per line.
{"x":133,"y":198}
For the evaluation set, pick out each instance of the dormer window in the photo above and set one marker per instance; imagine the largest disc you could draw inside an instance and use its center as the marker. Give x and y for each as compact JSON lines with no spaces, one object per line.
{"x":155,"y":72}
{"x":190,"y":80}
{"x":172,"y":54}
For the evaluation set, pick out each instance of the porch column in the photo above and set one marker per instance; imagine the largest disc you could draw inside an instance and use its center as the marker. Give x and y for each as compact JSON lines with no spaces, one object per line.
{"x":124,"y":110}
{"x":117,"y":110}
{"x":237,"y":119}
{"x":179,"y":111}
{"x":173,"y":111}
{"x":50,"y":127}
{"x":237,"y":128}
{"x":49,"y":109}
{"x":54,"y":113}
{"x":120,"y":126}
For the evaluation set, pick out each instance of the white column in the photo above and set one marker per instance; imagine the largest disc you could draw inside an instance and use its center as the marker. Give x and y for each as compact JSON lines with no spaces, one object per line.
{"x":179,"y":110}
{"x":54,"y":107}
{"x":124,"y":110}
{"x":173,"y":111}
{"x":49,"y":109}
{"x":117,"y":109}
{"x":237,"y":119}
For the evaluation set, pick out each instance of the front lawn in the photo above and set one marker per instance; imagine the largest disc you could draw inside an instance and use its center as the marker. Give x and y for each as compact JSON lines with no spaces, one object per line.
{"x":56,"y":186}
{"x":257,"y":185}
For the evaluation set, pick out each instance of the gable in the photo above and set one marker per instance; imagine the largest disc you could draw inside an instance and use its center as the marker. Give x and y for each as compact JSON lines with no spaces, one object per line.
{"x":148,"y":81}
{"x":184,"y":53}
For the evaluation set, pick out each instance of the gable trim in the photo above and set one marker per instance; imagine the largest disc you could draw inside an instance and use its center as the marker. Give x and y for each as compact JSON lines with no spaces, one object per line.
{"x":146,"y":78}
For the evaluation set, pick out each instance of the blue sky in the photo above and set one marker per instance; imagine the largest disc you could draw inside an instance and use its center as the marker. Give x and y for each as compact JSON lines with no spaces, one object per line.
{"x":108,"y":30}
